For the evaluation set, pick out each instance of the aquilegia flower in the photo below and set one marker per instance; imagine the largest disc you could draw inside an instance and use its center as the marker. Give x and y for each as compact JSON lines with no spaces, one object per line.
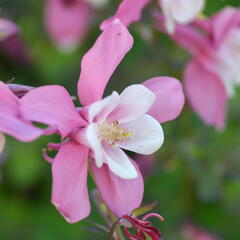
{"x":67,"y":21}
{"x":121,"y":121}
{"x":96,"y":132}
{"x":174,"y":11}
{"x":213,"y":72}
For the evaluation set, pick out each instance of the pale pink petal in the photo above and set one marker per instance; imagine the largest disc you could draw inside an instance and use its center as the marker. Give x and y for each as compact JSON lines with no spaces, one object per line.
{"x":69,"y":189}
{"x":206,"y":94}
{"x":147,"y":135}
{"x":118,"y":162}
{"x":7,"y":29}
{"x":53,"y":106}
{"x":67,"y":23}
{"x":2,"y":142}
{"x":120,"y":195}
{"x":129,"y":11}
{"x":18,"y":128}
{"x":99,"y":111}
{"x":135,"y":101}
{"x":169,"y":98}
{"x":223,"y":22}
{"x":101,"y":60}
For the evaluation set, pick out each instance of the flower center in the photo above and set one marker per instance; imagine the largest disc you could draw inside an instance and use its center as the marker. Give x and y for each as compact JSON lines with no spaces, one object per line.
{"x":112,"y":132}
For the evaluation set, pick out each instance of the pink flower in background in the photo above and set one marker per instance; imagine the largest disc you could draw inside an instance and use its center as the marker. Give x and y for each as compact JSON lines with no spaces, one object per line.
{"x":213,"y":72}
{"x":99,"y":130}
{"x":10,"y":43}
{"x":194,"y":232}
{"x":174,"y":11}
{"x":180,"y":11}
{"x":67,"y":21}
{"x":7,"y":29}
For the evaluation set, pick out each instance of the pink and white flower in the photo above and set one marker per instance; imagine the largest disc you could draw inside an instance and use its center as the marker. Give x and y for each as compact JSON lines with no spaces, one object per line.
{"x":96,"y":132}
{"x":174,"y":11}
{"x":213,"y":72}
{"x":121,"y":121}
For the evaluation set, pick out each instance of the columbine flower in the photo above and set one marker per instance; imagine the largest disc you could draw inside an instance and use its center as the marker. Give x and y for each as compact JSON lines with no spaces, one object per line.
{"x":120,"y":121}
{"x":174,"y":11}
{"x":101,"y":127}
{"x":214,"y":71}
{"x":67,"y":21}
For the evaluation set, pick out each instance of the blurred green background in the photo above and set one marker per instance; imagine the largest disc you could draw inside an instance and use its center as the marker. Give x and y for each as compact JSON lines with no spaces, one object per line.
{"x":196,"y":175}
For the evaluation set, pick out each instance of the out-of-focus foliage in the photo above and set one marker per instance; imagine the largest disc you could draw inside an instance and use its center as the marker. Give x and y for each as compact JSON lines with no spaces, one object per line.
{"x":197,"y":171}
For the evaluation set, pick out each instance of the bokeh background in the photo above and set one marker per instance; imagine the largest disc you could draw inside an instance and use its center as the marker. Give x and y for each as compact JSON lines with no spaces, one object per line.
{"x":195,"y":176}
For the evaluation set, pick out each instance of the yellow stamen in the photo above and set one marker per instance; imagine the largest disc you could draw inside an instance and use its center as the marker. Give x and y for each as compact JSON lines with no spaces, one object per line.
{"x":112,"y":133}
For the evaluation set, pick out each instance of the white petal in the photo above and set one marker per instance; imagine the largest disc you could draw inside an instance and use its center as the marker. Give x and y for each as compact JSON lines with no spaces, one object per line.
{"x":184,"y":11}
{"x":169,"y":20}
{"x":134,"y":102}
{"x":98,"y":111}
{"x":119,"y":163}
{"x":95,"y":143}
{"x":147,"y":135}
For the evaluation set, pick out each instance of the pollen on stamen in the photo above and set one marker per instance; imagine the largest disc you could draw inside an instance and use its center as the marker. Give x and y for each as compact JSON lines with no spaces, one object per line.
{"x":112,"y":133}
